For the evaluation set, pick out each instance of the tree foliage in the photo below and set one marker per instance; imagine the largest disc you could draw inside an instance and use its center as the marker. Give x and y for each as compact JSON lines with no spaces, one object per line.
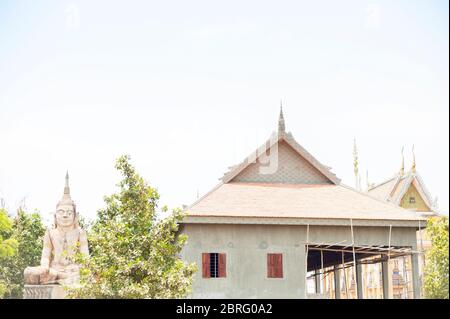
{"x":7,"y":244}
{"x":437,"y":267}
{"x":133,"y":254}
{"x":27,"y":232}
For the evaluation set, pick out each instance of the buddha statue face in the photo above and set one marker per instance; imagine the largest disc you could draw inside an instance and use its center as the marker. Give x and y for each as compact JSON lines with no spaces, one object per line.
{"x":65,"y":215}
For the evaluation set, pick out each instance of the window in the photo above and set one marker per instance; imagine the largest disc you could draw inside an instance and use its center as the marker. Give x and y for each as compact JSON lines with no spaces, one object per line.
{"x":412,"y":200}
{"x":214,"y":265}
{"x":274,"y":265}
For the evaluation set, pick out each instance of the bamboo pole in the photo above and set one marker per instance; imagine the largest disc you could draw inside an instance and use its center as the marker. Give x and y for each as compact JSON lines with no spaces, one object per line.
{"x":393,"y":251}
{"x":406,"y":283}
{"x":345,"y":276}
{"x":321,"y":272}
{"x":362,"y":249}
{"x":306,"y":262}
{"x":390,"y":235}
{"x":354,"y":255}
{"x":389,"y":277}
{"x":422,"y":254}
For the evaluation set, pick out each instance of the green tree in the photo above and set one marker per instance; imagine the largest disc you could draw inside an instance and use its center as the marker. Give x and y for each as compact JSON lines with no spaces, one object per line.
{"x":27,"y":232}
{"x":8,"y":247}
{"x":7,"y":244}
{"x":133,"y":254}
{"x":437,"y":267}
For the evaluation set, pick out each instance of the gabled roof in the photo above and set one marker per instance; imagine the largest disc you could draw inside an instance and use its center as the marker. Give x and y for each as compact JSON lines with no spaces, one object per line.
{"x":313,"y":199}
{"x":393,"y":189}
{"x":279,"y":137}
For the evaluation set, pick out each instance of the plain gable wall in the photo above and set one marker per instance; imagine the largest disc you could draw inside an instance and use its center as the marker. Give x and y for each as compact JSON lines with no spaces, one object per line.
{"x":247,"y":246}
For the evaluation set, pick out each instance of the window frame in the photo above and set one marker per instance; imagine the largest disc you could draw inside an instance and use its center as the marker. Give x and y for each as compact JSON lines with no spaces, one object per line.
{"x":275,"y":266}
{"x":219,"y":267}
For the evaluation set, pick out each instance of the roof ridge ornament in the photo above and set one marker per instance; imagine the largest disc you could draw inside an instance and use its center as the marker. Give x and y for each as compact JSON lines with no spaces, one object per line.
{"x":413,"y":168}
{"x":355,"y":165}
{"x":402,"y":168}
{"x":281,"y":123}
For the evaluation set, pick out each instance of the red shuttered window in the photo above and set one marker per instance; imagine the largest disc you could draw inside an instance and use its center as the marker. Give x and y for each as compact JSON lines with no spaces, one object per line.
{"x":274,"y":265}
{"x":214,"y":265}
{"x":205,"y":266}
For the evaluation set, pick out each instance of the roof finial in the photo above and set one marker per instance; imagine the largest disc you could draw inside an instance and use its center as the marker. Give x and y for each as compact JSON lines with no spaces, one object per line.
{"x":281,"y":125}
{"x":355,"y":164}
{"x":402,"y":168}
{"x":367,"y":179}
{"x":413,"y":169}
{"x":66,"y":186}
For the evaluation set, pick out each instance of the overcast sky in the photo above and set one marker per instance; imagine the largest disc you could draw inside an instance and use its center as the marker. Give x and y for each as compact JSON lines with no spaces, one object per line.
{"x":189,"y":88}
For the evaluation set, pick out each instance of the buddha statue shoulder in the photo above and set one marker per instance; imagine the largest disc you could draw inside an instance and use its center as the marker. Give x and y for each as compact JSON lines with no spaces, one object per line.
{"x":60,"y":246}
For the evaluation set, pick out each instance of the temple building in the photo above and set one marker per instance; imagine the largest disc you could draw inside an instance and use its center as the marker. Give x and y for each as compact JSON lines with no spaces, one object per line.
{"x":407,"y":190}
{"x":281,"y":225}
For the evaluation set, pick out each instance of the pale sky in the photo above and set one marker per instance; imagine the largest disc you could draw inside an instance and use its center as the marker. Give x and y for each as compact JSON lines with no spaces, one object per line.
{"x":189,"y":88}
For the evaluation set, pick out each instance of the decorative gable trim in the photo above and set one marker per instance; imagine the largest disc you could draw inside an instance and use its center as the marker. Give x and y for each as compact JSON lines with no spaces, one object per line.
{"x":403,"y":190}
{"x":427,"y":195}
{"x":417,"y":181}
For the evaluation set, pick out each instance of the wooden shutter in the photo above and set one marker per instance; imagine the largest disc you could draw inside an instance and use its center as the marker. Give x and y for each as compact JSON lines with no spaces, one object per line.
{"x":275,"y":265}
{"x":270,"y":265}
{"x":206,"y":269}
{"x":222,"y":265}
{"x":278,"y":265}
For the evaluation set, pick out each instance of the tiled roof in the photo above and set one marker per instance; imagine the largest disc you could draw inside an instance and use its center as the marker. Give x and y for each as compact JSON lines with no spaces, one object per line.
{"x":394,"y":189}
{"x":295,"y":201}
{"x":382,"y":191}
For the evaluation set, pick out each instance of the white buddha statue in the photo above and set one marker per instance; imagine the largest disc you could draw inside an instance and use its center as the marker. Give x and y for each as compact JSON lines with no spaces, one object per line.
{"x":60,"y":246}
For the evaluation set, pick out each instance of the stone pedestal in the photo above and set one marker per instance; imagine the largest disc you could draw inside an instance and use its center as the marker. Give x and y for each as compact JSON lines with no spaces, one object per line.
{"x":43,"y":292}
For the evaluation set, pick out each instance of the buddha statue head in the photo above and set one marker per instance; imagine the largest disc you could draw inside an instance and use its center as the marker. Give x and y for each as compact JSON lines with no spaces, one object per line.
{"x":66,"y":213}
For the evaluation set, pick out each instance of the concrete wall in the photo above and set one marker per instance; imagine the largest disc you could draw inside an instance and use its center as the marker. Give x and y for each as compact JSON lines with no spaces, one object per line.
{"x":247,"y":246}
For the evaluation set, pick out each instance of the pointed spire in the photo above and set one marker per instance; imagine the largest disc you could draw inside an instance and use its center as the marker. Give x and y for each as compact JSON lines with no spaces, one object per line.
{"x":413,"y":168}
{"x":66,"y":199}
{"x":355,"y":163}
{"x":402,"y":168}
{"x":367,"y":179}
{"x":66,"y":186}
{"x":281,"y":125}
